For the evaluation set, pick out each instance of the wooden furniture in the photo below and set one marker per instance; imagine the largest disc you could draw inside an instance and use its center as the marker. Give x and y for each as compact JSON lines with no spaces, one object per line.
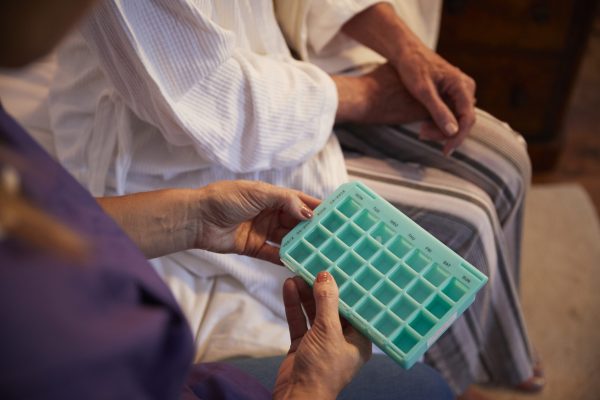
{"x":524,"y":56}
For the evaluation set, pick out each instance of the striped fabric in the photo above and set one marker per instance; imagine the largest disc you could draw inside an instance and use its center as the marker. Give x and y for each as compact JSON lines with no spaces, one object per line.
{"x":473,"y":202}
{"x":180,"y":93}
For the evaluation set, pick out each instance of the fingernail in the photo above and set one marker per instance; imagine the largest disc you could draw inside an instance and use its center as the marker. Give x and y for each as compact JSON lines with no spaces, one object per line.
{"x":306,"y":212}
{"x":323,"y":276}
{"x":451,"y":128}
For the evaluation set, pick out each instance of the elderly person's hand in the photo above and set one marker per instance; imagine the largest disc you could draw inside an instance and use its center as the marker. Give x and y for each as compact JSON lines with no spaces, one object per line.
{"x":446,"y":92}
{"x":243,"y":217}
{"x":378,"y":97}
{"x":325,"y":357}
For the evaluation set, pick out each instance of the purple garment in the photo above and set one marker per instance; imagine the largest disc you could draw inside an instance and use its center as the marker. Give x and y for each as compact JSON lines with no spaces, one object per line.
{"x":107,"y":330}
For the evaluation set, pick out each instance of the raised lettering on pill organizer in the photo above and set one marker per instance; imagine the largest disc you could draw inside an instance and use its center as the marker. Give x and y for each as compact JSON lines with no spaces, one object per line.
{"x":399,"y":285}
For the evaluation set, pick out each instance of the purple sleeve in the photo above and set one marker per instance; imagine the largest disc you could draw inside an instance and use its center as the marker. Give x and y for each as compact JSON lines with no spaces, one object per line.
{"x":104,"y":330}
{"x":109,"y":329}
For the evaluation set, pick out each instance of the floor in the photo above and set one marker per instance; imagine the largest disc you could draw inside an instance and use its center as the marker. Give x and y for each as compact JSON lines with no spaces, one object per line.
{"x":580,"y":160}
{"x":559,"y":292}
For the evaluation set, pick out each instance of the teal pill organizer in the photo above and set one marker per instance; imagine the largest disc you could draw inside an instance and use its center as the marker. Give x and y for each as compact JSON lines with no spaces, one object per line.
{"x":399,"y":285}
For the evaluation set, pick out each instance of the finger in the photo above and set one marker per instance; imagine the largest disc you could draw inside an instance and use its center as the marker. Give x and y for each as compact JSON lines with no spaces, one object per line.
{"x":453,"y":143}
{"x":309,"y":200}
{"x":430,"y":132}
{"x":297,"y":204}
{"x":428,"y":95}
{"x":325,"y":292}
{"x":266,"y":196}
{"x":293,"y":313}
{"x":291,"y":220}
{"x":292,"y":203}
{"x":464,"y":104}
{"x":307,"y":298}
{"x":463,"y":99}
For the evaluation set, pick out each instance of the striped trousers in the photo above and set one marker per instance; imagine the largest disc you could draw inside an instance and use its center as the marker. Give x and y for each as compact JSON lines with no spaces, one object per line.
{"x":473,"y":202}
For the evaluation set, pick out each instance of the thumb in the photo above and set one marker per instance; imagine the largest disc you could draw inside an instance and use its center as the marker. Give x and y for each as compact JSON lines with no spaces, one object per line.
{"x":326,"y":295}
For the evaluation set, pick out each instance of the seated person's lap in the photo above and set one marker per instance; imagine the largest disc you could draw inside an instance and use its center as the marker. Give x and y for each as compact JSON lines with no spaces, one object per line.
{"x":380,"y":378}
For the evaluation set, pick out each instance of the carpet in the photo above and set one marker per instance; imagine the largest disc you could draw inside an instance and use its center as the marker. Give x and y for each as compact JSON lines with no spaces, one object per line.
{"x":560,"y":288}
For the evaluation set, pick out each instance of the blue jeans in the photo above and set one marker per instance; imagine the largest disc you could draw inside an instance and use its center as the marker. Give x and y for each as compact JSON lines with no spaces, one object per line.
{"x":379,"y":379}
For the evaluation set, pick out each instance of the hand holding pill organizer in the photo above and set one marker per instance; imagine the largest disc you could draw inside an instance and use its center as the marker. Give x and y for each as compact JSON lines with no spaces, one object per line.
{"x":399,"y":285}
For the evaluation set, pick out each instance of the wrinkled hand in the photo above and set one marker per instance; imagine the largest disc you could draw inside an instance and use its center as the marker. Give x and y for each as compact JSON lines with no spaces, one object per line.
{"x":444,"y":90}
{"x":243,"y":217}
{"x":378,"y":97}
{"x":322,"y":359}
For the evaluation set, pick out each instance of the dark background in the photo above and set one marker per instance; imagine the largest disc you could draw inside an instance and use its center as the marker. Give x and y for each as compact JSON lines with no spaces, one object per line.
{"x":537,"y":66}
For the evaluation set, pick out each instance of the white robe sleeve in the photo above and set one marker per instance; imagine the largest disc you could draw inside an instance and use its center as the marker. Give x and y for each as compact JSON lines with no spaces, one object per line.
{"x":183,"y":73}
{"x":326,"y":17}
{"x":312,"y":29}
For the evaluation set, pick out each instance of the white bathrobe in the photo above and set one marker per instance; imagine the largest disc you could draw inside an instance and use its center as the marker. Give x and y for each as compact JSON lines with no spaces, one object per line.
{"x":180,"y":93}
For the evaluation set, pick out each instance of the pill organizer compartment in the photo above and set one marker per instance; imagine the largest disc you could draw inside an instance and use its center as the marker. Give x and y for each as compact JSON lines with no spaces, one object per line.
{"x":399,"y":285}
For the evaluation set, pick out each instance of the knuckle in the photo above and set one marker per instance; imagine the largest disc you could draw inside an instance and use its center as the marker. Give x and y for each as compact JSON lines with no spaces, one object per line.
{"x":471,"y":86}
{"x":288,"y":196}
{"x":326,"y":293}
{"x":456,"y":71}
{"x":422,"y":90}
{"x":472,"y":83}
{"x":467,"y":81}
